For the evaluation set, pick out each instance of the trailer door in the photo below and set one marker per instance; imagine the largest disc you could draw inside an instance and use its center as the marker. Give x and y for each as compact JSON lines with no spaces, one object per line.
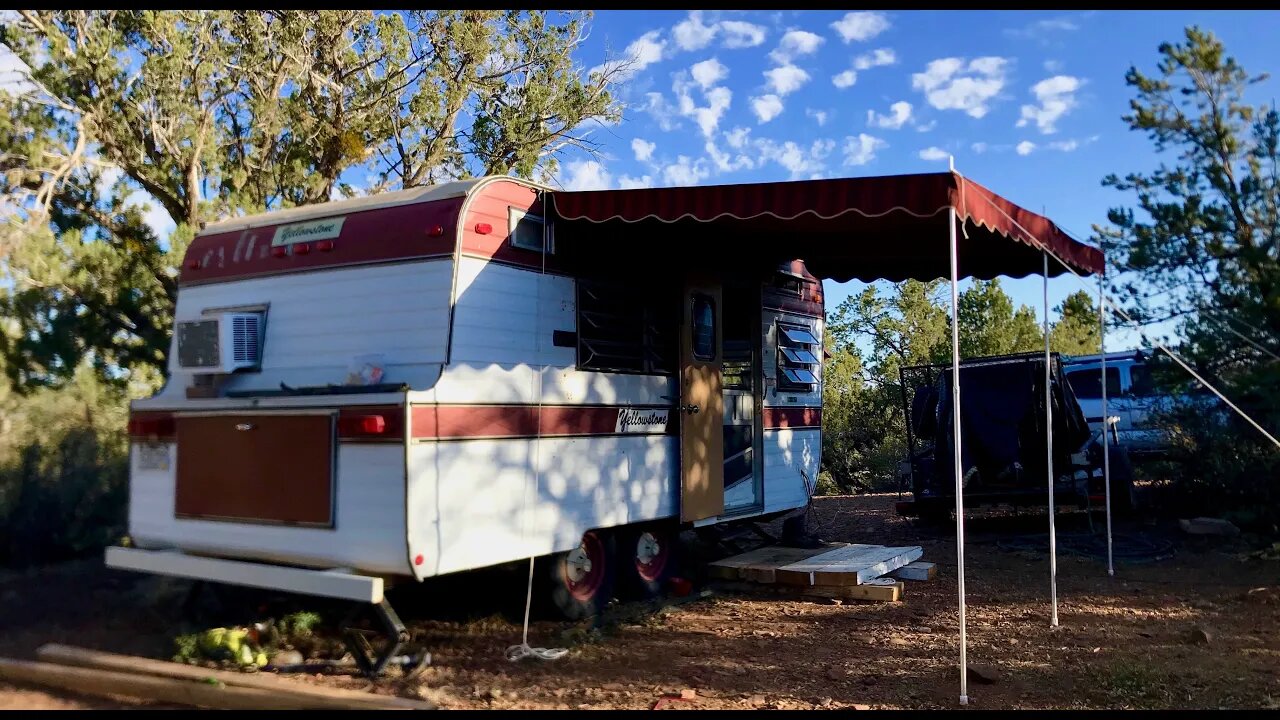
{"x":701,"y":405}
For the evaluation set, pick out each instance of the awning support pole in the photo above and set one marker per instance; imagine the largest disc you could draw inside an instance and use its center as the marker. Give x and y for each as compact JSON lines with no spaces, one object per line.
{"x":1106,"y":426}
{"x":1048,"y":431}
{"x":959,"y":469}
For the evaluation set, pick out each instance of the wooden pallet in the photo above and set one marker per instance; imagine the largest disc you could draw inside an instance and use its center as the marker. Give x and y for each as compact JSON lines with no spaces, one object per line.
{"x":830,"y":566}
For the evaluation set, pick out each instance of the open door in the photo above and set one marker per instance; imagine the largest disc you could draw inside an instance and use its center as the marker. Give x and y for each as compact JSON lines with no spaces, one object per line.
{"x":701,"y":401}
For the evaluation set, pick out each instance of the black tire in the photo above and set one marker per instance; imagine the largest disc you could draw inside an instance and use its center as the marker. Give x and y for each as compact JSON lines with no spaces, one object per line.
{"x":648,"y":557}
{"x":571,"y":593}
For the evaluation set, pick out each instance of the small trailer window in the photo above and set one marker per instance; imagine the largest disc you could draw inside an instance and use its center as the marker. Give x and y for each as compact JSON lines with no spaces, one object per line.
{"x":797,"y":358}
{"x":704,"y":327}
{"x":525,"y":231}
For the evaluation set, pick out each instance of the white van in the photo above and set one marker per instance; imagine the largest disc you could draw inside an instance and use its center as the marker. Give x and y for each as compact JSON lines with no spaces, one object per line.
{"x":1130,"y":396}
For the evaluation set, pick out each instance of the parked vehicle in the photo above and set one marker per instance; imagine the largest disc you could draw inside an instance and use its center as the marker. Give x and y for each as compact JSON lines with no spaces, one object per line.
{"x":1004,"y":444}
{"x":1131,"y":397}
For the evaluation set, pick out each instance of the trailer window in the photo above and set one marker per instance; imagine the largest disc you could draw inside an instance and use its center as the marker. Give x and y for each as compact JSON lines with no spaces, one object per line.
{"x":797,"y":358}
{"x":525,"y":231}
{"x":630,"y":329}
{"x":703,"y":327}
{"x":1087,"y":386}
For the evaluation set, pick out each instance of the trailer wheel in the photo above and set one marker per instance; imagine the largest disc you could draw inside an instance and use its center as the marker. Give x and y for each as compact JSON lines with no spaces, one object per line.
{"x":581,"y":580}
{"x":647,"y":557}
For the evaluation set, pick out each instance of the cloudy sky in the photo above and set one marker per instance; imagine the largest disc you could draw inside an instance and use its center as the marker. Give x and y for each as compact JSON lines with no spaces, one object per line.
{"x":1028,"y":103}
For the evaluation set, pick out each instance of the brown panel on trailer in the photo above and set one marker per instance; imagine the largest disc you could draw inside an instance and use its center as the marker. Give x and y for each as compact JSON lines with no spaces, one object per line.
{"x":256,"y":468}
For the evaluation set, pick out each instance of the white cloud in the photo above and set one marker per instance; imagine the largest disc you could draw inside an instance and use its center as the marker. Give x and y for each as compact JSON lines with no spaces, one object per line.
{"x":722,"y":160}
{"x":978,"y":147}
{"x":1056,"y":96}
{"x":933,"y":154}
{"x":685,"y":172}
{"x":1042,"y":30}
{"x":739,"y":34}
{"x":820,"y":116}
{"x":861,"y":149}
{"x":950,"y":84}
{"x":927,"y":126}
{"x":899,"y":115}
{"x":640,"y":54}
{"x":766,"y":107}
{"x":708,"y":117}
{"x":708,"y":72}
{"x":692,"y":33}
{"x":795,"y":43}
{"x":1064,"y":145}
{"x":663,"y":112}
{"x":626,"y":182}
{"x":737,"y":137}
{"x":876,"y":58}
{"x":859,"y":26}
{"x":1053,"y":66}
{"x":643,"y":149}
{"x":797,"y":160}
{"x":844,"y":79}
{"x":586,"y":175}
{"x":785,"y":80}
{"x":1026,"y":147}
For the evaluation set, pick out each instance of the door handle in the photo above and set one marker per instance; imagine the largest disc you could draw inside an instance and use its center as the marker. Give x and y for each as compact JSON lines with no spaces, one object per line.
{"x":690,"y":409}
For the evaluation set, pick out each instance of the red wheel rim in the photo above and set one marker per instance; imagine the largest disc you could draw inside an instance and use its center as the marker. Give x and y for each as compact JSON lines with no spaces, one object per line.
{"x":652,"y":552}
{"x":583,"y":580}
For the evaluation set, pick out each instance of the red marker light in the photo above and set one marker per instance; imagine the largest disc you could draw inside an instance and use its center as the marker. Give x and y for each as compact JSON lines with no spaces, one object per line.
{"x":324,"y":245}
{"x":193,"y":264}
{"x":280,"y":251}
{"x":362,"y":425}
{"x":436,"y":231}
{"x":418,"y":560}
{"x":484,"y":228}
{"x":301,"y":249}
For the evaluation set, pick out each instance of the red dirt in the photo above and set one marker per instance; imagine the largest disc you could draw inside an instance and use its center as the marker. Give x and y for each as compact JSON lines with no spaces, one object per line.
{"x":1124,"y":642}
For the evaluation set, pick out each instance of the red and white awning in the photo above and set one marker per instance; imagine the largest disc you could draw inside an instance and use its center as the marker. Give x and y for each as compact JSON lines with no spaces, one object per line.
{"x":891,"y":227}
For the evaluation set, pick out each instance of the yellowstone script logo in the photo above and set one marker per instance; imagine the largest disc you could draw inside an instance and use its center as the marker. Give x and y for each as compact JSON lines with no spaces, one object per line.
{"x":308,"y":231}
{"x":641,"y":421}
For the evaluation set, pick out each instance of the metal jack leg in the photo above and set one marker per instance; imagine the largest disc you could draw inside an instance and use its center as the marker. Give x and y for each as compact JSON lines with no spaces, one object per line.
{"x":372,"y":662}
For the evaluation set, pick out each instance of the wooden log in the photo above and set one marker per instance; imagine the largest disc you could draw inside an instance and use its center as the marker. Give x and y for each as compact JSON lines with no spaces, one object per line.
{"x":916,"y":571}
{"x":300,"y":695}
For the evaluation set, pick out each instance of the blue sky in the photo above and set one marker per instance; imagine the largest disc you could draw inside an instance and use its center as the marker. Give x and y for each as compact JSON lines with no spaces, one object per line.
{"x":1029,"y":103}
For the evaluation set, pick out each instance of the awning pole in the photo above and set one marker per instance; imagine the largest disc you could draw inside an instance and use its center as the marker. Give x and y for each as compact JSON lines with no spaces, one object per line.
{"x":1048,"y":431}
{"x":1106,"y":440}
{"x":959,"y":469}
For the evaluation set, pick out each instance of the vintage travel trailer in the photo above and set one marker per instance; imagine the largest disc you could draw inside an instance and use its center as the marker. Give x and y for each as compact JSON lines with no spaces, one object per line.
{"x":446,"y":378}
{"x":451,"y":377}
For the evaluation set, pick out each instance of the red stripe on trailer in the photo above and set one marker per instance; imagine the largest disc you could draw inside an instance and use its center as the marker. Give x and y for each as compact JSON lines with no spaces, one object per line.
{"x":404,"y":232}
{"x":447,"y":422}
{"x":776,"y":418}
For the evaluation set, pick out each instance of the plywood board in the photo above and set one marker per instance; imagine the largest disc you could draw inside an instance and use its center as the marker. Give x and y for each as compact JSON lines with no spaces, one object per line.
{"x":849,"y":565}
{"x":760,"y":565}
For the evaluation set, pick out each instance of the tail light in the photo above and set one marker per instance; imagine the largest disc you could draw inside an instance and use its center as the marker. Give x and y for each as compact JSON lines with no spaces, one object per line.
{"x":151,"y":426}
{"x":362,"y":425}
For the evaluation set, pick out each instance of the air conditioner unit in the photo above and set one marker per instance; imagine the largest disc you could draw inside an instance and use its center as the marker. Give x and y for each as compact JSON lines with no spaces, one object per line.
{"x":223,"y":343}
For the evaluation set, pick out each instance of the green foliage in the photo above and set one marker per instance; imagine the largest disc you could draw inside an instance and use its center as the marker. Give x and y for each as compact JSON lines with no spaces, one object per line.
{"x":989,"y":325}
{"x":207,"y":114}
{"x":1077,"y":331}
{"x":1202,"y":247}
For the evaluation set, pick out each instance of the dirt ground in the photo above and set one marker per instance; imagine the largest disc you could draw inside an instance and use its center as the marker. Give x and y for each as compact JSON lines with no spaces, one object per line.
{"x":1199,"y":628}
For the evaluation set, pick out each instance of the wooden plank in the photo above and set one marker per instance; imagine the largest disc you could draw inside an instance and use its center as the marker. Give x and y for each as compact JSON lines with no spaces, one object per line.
{"x":916,"y":571}
{"x":876,"y":590}
{"x":107,"y":683}
{"x":309,"y":695}
{"x":851,"y":565}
